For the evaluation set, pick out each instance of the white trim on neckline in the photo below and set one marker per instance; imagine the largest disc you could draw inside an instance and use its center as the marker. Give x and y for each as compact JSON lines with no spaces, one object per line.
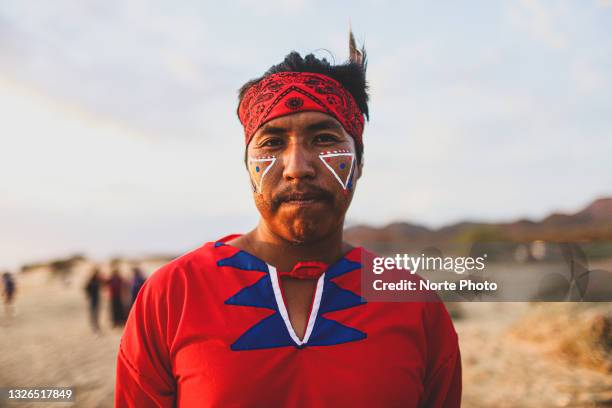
{"x":280,"y":303}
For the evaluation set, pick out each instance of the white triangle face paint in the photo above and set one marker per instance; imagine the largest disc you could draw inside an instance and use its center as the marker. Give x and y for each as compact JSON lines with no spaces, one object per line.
{"x":258,"y":168}
{"x":341,"y":164}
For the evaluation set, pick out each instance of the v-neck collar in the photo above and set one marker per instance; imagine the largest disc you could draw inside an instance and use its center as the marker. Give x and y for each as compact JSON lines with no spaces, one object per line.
{"x":321,"y":295}
{"x":284,"y":312}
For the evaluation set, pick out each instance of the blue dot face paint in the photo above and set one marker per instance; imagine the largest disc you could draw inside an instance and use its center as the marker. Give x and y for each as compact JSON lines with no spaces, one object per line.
{"x":341,"y":164}
{"x":258,"y":168}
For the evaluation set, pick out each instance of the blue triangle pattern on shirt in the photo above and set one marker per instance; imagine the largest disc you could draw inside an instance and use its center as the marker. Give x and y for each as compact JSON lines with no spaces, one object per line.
{"x":245,"y":261}
{"x":259,"y":294}
{"x":340,"y":268}
{"x":328,"y":332}
{"x":270,"y":332}
{"x":335,"y":298}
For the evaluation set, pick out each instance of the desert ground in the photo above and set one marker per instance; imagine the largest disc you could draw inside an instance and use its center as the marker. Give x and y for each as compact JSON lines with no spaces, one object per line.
{"x":513,"y":354}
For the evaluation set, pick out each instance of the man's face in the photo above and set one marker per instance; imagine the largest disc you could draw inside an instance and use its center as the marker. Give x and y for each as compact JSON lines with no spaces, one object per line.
{"x":304,"y":171}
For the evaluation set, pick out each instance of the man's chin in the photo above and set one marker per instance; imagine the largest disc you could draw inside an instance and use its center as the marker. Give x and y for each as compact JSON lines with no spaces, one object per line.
{"x":303,"y":232}
{"x":304,"y":213}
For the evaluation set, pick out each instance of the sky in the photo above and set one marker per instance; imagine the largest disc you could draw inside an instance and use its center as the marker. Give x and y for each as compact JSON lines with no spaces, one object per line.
{"x":118,"y":133}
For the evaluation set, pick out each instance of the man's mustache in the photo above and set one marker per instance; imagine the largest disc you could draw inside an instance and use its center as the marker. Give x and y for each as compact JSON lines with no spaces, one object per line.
{"x":305,"y":193}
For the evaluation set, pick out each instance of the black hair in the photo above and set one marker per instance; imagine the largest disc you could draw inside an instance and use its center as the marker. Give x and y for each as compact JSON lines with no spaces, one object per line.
{"x":351,"y":75}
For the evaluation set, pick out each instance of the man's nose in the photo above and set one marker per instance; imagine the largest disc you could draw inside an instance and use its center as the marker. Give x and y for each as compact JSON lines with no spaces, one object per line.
{"x":298,"y":163}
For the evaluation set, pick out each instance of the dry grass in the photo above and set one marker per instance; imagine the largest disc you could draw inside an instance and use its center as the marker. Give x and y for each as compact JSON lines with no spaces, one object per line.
{"x":580,"y":334}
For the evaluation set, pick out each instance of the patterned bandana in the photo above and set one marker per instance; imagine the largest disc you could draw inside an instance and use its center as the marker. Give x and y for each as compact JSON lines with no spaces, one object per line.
{"x":285,"y":93}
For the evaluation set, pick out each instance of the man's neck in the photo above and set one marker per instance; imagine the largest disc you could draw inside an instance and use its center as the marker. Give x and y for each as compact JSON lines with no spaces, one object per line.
{"x":283,"y":254}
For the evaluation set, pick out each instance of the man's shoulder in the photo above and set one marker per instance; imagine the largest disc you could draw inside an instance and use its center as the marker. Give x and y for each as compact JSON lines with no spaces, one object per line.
{"x":181,"y":267}
{"x":431,"y":309}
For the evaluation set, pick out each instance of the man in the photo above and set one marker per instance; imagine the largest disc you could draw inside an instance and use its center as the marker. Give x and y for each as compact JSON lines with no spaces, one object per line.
{"x":9,"y":295}
{"x":92,"y":289}
{"x":138,"y":279}
{"x":274,"y":317}
{"x":116,"y":286}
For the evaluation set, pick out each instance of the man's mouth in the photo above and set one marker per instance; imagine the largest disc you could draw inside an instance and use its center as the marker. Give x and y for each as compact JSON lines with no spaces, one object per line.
{"x":302,"y":199}
{"x":310,"y":197}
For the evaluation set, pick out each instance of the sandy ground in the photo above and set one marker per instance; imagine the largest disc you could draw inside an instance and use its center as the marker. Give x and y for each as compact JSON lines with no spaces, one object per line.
{"x":501,"y":370}
{"x":50,"y":343}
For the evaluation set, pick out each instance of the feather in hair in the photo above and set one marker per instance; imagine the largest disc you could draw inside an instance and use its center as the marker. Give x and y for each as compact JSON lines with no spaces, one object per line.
{"x":356,"y":55}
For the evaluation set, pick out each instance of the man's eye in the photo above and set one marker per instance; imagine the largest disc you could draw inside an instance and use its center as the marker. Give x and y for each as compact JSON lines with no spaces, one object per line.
{"x":271,"y":143}
{"x":326,"y":138}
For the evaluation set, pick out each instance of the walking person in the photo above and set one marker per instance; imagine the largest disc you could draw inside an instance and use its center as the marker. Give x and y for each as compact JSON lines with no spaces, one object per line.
{"x":137,"y":281}
{"x":92,"y":289}
{"x":115,"y":285}
{"x":9,"y":295}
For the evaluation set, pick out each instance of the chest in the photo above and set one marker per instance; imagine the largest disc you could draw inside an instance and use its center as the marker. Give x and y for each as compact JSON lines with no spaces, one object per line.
{"x":384,"y":369}
{"x":259,"y":337}
{"x":298,"y":297}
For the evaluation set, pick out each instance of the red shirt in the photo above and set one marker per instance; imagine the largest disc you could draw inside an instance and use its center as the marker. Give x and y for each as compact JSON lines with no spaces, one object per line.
{"x":210,"y":329}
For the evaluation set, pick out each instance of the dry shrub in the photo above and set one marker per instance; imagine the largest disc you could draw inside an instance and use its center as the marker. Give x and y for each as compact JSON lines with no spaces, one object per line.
{"x":578,"y":333}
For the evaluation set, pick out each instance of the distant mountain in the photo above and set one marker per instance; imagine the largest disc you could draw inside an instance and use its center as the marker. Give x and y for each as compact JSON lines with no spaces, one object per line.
{"x":593,"y":223}
{"x":599,"y":210}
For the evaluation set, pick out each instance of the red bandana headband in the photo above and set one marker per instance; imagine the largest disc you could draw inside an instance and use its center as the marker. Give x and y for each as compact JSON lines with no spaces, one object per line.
{"x":285,"y":93}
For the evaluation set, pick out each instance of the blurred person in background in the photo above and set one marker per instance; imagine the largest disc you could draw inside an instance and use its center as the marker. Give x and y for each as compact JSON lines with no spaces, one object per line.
{"x":8,"y":292}
{"x":138,"y":280}
{"x":116,"y":286}
{"x":92,"y":289}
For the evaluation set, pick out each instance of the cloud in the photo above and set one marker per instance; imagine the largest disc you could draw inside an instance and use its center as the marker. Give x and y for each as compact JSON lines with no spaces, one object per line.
{"x":587,"y":77}
{"x":273,"y":7}
{"x":539,"y":21}
{"x":136,"y":62}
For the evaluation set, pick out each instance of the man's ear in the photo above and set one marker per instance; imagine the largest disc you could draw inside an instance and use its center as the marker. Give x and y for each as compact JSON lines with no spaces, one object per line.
{"x":359,"y":168}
